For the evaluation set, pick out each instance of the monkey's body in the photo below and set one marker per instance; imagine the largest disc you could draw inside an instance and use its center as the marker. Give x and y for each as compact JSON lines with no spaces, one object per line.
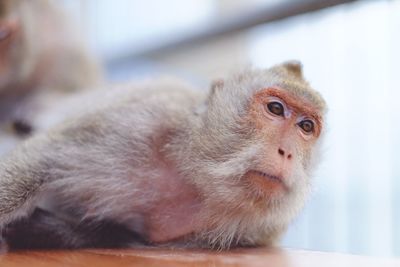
{"x":168,"y":164}
{"x":125,"y":163}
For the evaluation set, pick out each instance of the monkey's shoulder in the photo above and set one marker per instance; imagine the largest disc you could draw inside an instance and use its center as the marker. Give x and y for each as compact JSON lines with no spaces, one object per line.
{"x":164,"y":90}
{"x":139,"y":108}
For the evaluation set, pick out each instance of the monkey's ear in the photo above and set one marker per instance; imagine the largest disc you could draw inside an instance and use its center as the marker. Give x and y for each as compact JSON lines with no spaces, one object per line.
{"x":215,"y":85}
{"x":294,"y":67}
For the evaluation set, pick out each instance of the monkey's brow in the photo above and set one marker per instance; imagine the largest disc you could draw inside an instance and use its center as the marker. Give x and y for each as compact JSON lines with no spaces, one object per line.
{"x":297,"y":103}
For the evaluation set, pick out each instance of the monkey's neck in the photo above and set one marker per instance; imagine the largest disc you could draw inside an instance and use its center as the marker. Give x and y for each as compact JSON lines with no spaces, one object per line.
{"x":174,"y":213}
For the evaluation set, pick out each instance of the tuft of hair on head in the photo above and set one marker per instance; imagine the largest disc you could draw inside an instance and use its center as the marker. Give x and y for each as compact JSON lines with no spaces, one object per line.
{"x":292,"y":68}
{"x":216,"y":84}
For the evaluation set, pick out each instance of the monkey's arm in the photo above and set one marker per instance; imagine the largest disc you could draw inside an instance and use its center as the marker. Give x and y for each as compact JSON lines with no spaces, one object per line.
{"x":20,"y":180}
{"x":36,"y":169}
{"x":47,"y":230}
{"x":43,"y":182}
{"x":67,"y":151}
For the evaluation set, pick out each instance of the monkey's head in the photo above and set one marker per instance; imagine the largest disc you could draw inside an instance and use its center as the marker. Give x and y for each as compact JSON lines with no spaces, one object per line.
{"x":258,"y":139}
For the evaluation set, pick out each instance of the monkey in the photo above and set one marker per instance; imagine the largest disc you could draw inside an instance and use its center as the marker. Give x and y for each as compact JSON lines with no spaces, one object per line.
{"x":168,"y":165}
{"x":42,"y":60}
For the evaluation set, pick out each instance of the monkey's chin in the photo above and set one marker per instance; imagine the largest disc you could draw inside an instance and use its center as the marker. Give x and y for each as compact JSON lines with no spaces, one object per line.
{"x":268,"y":184}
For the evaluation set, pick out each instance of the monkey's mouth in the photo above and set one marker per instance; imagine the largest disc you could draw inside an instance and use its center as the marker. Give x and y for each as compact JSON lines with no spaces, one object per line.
{"x":267,"y":181}
{"x":269,"y":176}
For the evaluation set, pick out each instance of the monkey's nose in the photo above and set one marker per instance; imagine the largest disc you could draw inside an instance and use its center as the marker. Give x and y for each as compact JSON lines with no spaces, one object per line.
{"x":284,"y":154}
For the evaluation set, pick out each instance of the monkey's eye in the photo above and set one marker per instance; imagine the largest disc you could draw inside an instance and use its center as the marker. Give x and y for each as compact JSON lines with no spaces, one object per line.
{"x":276,"y":108}
{"x":307,"y":126}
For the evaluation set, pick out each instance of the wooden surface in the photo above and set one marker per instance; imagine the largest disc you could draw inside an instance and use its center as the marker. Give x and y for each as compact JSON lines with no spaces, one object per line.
{"x":166,"y":258}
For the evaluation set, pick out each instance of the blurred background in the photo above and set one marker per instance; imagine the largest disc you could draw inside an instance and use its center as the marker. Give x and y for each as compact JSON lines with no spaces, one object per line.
{"x":350,"y":51}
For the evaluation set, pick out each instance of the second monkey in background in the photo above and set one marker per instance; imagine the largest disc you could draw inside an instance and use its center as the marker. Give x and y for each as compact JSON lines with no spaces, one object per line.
{"x":42,"y":60}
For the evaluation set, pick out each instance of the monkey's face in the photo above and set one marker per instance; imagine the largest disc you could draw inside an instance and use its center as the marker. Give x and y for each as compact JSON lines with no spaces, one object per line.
{"x":287,"y":129}
{"x":258,"y":139}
